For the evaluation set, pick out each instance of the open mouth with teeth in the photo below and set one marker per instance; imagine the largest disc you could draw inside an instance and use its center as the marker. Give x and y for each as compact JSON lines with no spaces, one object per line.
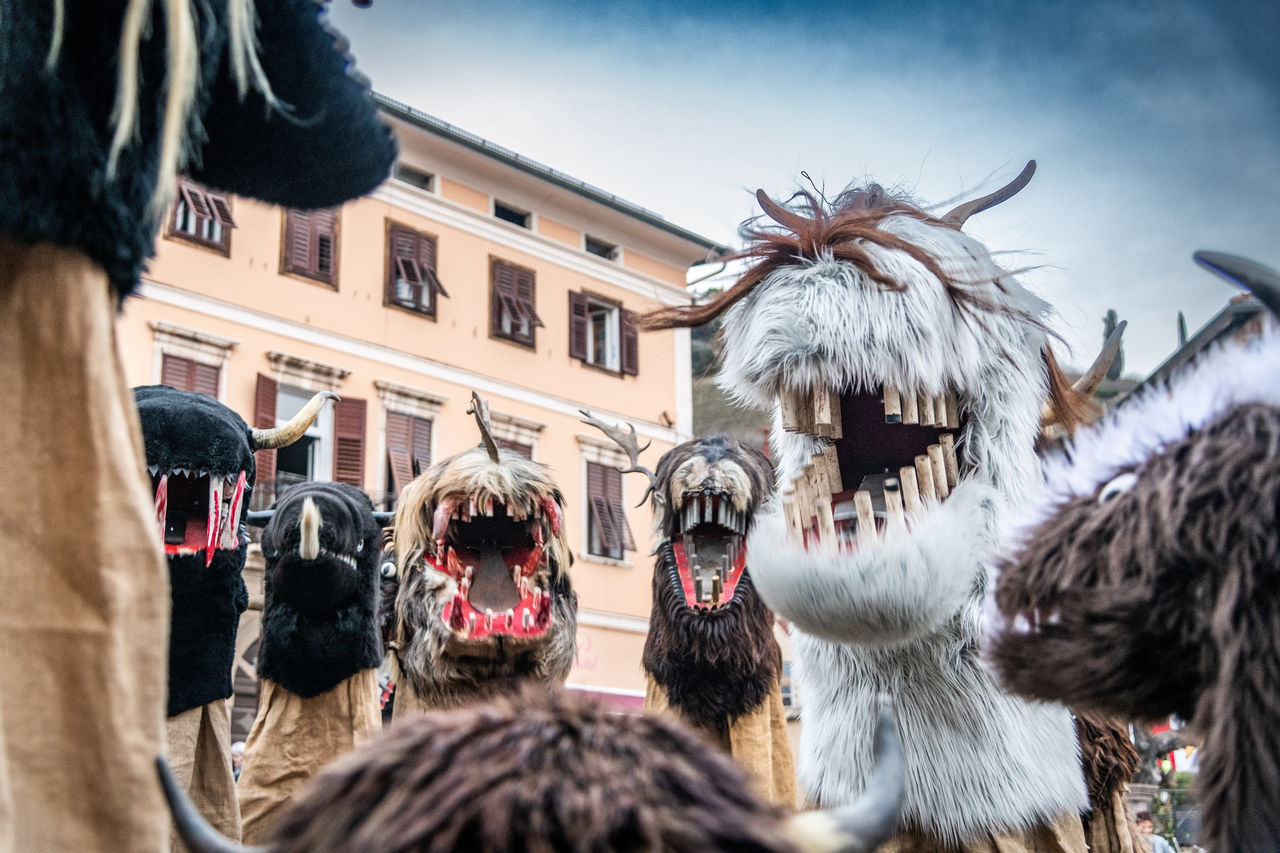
{"x":496,"y":555}
{"x":197,"y":510}
{"x":888,"y":456}
{"x":710,"y":554}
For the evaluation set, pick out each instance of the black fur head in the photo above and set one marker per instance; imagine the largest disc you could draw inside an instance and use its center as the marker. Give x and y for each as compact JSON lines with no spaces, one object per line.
{"x":710,"y":644}
{"x":319,"y":620}
{"x":202,"y":472}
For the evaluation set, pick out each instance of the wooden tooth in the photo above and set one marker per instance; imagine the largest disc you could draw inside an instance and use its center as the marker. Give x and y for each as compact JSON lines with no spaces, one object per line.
{"x":910,"y":490}
{"x":939,"y":411}
{"x":924,"y":479}
{"x":948,"y":443}
{"x":825,"y":406}
{"x":797,"y":411}
{"x":832,"y":462}
{"x":892,"y":406}
{"x":791,"y":512}
{"x":894,"y":517}
{"x":826,"y":525}
{"x":910,"y":411}
{"x":925,"y":402}
{"x":866,"y":517}
{"x":939,"y":471}
{"x":816,"y":473}
{"x":953,"y":411}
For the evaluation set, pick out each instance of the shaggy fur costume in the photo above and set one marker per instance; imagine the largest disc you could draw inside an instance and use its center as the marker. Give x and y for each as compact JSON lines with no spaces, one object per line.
{"x":1140,"y":580}
{"x":874,"y":294}
{"x":1110,"y":760}
{"x":103,"y":104}
{"x":716,"y":662}
{"x":473,"y":534}
{"x":543,"y":772}
{"x":320,"y":645}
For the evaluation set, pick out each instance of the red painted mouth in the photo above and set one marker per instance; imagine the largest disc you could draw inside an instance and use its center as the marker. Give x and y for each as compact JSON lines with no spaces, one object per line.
{"x":197,"y":511}
{"x":497,"y":558}
{"x":711,"y":553}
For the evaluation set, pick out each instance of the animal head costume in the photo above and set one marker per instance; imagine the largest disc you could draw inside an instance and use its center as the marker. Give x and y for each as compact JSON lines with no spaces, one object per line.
{"x":319,"y":616}
{"x":485,"y":597}
{"x":548,"y":773}
{"x":710,"y":645}
{"x":911,"y":371}
{"x":200,"y":456}
{"x":1141,"y":579}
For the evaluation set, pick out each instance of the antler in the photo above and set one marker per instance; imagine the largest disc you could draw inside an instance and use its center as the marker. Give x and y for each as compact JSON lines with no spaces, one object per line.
{"x":480,"y":409}
{"x":631,"y":444}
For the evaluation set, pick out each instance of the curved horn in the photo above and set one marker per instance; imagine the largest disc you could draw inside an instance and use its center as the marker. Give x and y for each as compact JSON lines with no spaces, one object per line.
{"x":957,"y":215}
{"x":480,"y":409}
{"x":282,"y":436}
{"x":384,"y":518}
{"x":199,"y":836}
{"x":864,"y":825}
{"x":1092,"y":378}
{"x":259,"y":518}
{"x":786,"y":218}
{"x":1262,"y":281}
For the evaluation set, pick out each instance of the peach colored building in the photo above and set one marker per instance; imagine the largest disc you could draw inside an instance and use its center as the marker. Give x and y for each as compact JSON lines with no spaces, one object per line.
{"x":472,"y":268}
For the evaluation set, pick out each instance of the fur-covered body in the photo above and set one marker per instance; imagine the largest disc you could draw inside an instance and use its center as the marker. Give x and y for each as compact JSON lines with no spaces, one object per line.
{"x":1141,"y":578}
{"x":474,"y":534}
{"x":868,"y":296}
{"x":192,"y":439}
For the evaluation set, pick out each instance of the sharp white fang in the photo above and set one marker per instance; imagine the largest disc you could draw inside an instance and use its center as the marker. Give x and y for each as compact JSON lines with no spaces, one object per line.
{"x":309,"y":531}
{"x":488,"y":619}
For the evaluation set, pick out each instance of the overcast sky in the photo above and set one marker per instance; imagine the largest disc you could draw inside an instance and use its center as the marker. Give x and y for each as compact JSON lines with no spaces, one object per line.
{"x":1156,"y":125}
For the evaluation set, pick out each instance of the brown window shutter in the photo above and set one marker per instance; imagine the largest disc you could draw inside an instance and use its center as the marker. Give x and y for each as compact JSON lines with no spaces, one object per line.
{"x":195,"y":199}
{"x":204,"y":379}
{"x":221,"y":210}
{"x":298,"y":242}
{"x":504,"y":295}
{"x":348,"y":441}
{"x":630,"y":344}
{"x":427,"y":263}
{"x":421,"y":447}
{"x":579,"y":327}
{"x":264,"y":417}
{"x":598,"y":501}
{"x":175,"y":372}
{"x":613,"y":496}
{"x":399,"y":439}
{"x":325,"y":227}
{"x":404,"y":283}
{"x":525,"y":450}
{"x":524,"y":283}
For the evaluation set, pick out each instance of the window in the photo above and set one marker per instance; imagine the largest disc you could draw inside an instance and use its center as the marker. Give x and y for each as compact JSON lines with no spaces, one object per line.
{"x":525,"y":450}
{"x":188,"y":375}
{"x":507,"y":213}
{"x":596,"y":246}
{"x":408,"y":449}
{"x":608,"y":533}
{"x":201,"y":216}
{"x":414,"y":177}
{"x":311,"y":244}
{"x":602,"y":333}
{"x":411,"y":270}
{"x":511,"y":312}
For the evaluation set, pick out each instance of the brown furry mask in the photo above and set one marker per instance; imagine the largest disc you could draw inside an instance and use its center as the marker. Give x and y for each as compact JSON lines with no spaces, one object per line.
{"x":710,"y":644}
{"x":1144,"y":580}
{"x":537,"y":773}
{"x":484,"y":592}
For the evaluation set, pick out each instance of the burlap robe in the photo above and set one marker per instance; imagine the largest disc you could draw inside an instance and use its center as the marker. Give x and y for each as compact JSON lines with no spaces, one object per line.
{"x":1112,"y":829}
{"x":293,"y":738}
{"x":758,"y":741}
{"x":84,"y":591}
{"x":200,"y":756}
{"x":1063,"y":835}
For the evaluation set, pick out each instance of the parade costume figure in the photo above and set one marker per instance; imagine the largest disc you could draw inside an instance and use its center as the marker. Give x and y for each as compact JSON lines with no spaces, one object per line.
{"x":541,"y":771}
{"x":710,"y":655}
{"x":103,"y":104}
{"x":1110,"y":759}
{"x":910,"y":372}
{"x":1141,"y":577}
{"x":485,"y":601}
{"x":320,"y":648}
{"x":200,"y":457}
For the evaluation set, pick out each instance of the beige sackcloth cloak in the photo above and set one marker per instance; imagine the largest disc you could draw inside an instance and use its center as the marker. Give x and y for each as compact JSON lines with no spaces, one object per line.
{"x":1112,"y":829}
{"x":757,"y":740}
{"x":293,"y":738}
{"x":84,"y":589}
{"x":200,"y":756}
{"x":1064,"y":834}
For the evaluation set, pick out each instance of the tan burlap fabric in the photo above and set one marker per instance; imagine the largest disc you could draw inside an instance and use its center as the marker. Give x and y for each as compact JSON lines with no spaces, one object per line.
{"x":1063,"y":835}
{"x":758,"y":741}
{"x":1112,"y":829}
{"x":200,"y":755}
{"x":293,"y":738}
{"x":84,"y":611}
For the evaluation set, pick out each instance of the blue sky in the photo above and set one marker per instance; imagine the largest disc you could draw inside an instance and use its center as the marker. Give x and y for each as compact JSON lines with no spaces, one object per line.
{"x":1156,"y":126}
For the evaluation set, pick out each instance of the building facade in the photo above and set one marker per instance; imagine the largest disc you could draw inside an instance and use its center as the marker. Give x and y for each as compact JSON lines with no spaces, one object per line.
{"x":472,"y":268}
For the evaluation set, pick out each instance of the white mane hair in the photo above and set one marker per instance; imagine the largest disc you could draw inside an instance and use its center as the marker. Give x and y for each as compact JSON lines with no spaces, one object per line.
{"x":904,"y":616}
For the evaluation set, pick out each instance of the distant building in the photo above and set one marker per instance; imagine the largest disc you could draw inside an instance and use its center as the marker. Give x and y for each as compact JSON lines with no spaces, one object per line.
{"x":1243,"y":317}
{"x":471,"y":268}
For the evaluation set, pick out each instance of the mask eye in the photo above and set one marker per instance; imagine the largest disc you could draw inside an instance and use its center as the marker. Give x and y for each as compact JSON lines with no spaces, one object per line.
{"x":1118,"y":485}
{"x":388,"y":569}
